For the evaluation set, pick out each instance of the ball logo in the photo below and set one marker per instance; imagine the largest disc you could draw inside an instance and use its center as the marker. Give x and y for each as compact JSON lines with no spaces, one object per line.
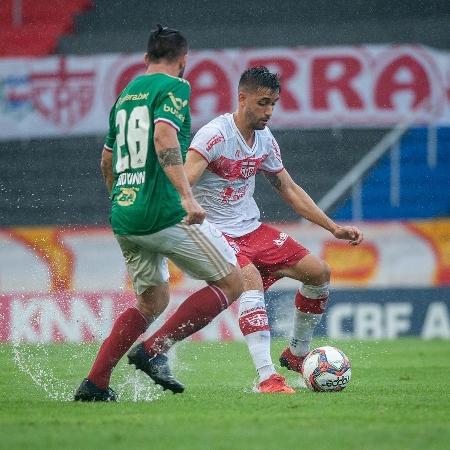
{"x":339,"y":381}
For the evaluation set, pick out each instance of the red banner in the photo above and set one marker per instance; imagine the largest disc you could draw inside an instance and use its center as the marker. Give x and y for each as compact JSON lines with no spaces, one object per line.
{"x":335,"y":86}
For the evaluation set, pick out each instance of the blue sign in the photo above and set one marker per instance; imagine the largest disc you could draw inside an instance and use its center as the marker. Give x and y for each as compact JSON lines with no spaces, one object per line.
{"x":371,"y":314}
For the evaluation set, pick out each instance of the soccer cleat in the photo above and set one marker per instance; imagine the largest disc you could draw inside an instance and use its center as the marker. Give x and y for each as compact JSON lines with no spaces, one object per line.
{"x":156,"y":367}
{"x":291,"y":361}
{"x":89,"y":392}
{"x":275,"y":384}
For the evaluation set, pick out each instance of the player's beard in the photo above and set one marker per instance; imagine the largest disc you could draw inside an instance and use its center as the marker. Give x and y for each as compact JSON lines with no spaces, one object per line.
{"x":255,"y":122}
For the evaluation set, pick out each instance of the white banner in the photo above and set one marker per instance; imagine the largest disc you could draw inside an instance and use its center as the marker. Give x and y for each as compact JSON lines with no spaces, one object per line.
{"x":368,"y":86}
{"x":51,"y":260}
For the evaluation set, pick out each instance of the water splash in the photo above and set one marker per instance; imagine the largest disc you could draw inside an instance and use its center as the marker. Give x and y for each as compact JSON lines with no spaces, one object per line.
{"x":25,"y":358}
{"x":35,"y":361}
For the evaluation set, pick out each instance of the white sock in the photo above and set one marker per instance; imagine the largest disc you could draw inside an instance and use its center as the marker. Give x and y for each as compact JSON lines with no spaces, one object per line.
{"x":302,"y":333}
{"x":254,"y":326}
{"x":306,"y":322}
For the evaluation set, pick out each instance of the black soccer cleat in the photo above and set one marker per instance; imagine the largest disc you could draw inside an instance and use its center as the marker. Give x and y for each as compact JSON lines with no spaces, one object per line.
{"x":156,"y":367}
{"x":89,"y":392}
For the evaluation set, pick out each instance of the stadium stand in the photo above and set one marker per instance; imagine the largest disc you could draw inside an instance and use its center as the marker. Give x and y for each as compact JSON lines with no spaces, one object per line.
{"x":105,"y":28}
{"x":33,"y":28}
{"x":257,"y":23}
{"x":397,"y":187}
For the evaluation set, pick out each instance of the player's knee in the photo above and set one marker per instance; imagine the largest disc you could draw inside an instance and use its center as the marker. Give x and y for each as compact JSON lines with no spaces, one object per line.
{"x":320,"y":274}
{"x":236,"y":284}
{"x":232,"y":285}
{"x":326,"y":272}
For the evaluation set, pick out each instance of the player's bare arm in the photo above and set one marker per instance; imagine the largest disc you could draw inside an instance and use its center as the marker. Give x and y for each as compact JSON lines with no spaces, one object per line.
{"x":304,"y":206}
{"x":106,"y":167}
{"x":194,"y":166}
{"x":169,"y":155}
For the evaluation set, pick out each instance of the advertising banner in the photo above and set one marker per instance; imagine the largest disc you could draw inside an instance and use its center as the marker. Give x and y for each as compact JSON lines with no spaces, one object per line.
{"x":59,"y":284}
{"x":369,"y":86}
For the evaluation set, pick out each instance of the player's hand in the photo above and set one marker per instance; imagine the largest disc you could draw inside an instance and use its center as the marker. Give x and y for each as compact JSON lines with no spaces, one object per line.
{"x":352,"y":234}
{"x":195,"y":213}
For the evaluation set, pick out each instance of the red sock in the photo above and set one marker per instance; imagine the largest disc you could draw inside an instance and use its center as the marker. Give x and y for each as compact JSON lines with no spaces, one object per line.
{"x":126,"y":329}
{"x":192,"y":315}
{"x":310,"y":305}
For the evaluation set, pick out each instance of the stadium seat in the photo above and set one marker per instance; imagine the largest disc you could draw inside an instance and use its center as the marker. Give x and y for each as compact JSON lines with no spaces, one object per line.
{"x":42,"y":23}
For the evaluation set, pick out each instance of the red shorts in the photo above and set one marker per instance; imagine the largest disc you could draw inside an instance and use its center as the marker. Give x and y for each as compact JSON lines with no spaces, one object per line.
{"x":269,"y":250}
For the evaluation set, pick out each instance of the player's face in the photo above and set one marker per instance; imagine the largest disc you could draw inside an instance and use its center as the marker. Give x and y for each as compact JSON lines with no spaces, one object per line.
{"x":258,"y":106}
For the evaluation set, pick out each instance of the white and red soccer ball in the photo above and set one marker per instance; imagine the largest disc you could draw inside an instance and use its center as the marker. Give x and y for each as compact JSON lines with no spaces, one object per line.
{"x":326,"y":369}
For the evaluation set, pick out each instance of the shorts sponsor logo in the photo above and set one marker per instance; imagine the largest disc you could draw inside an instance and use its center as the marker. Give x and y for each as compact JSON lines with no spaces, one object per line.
{"x":281,"y":240}
{"x":235,"y":247}
{"x":127,"y":196}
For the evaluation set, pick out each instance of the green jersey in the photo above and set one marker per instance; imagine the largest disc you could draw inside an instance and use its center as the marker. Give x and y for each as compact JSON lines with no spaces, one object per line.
{"x":143,"y":199}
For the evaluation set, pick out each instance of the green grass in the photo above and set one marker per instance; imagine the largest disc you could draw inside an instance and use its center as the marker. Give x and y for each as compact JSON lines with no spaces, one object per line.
{"x":398,"y":398}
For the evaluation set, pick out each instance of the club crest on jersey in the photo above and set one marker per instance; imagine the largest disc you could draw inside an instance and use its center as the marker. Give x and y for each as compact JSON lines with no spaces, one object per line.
{"x":248,"y":168}
{"x":281,"y":240}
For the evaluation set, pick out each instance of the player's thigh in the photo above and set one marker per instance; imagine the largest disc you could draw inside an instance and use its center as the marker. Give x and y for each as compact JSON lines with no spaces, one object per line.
{"x":145,"y":266}
{"x":309,"y":270}
{"x":202,"y":252}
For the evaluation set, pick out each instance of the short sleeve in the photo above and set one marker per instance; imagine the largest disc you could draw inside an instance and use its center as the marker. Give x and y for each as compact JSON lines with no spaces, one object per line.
{"x":110,"y":138}
{"x":208,"y":143}
{"x":172,"y":105}
{"x":273,"y":163}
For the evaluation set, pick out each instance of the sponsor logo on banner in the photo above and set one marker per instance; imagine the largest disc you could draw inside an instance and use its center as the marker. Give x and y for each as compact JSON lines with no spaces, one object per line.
{"x":376,"y":314}
{"x":329,"y":86}
{"x":89,"y":317}
{"x":69,"y":284}
{"x":61,"y":96}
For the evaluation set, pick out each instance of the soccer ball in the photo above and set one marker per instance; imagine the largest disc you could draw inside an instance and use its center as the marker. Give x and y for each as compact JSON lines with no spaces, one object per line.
{"x":326,"y":369}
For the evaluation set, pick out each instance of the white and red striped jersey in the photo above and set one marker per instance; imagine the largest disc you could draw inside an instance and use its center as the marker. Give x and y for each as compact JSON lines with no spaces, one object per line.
{"x":225,"y":189}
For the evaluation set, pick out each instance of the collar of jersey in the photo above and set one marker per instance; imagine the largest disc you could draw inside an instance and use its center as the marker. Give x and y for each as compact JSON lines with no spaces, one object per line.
{"x":241,"y":138}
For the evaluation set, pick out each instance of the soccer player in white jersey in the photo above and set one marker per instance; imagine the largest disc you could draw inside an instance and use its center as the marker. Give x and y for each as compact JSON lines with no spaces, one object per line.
{"x":222,"y":162}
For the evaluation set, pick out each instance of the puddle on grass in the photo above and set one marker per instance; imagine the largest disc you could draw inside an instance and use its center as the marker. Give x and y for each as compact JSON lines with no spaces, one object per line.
{"x":36,"y":362}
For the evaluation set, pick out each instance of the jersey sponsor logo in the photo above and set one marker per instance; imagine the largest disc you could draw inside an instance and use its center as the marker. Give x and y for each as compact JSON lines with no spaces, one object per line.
{"x":133,"y":97}
{"x":231,"y":195}
{"x":214,"y":141}
{"x":276,"y":150}
{"x":231,"y":169}
{"x":281,"y":240}
{"x":127,"y":196}
{"x":173,"y":111}
{"x":131,"y":178}
{"x":177,"y":102}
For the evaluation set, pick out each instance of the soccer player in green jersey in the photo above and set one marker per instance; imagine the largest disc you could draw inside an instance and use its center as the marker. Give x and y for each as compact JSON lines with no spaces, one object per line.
{"x":154,"y":216}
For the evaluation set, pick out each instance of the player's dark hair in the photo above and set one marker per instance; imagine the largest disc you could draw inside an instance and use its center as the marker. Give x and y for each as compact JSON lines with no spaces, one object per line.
{"x":259,"y":77}
{"x":166,"y":43}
